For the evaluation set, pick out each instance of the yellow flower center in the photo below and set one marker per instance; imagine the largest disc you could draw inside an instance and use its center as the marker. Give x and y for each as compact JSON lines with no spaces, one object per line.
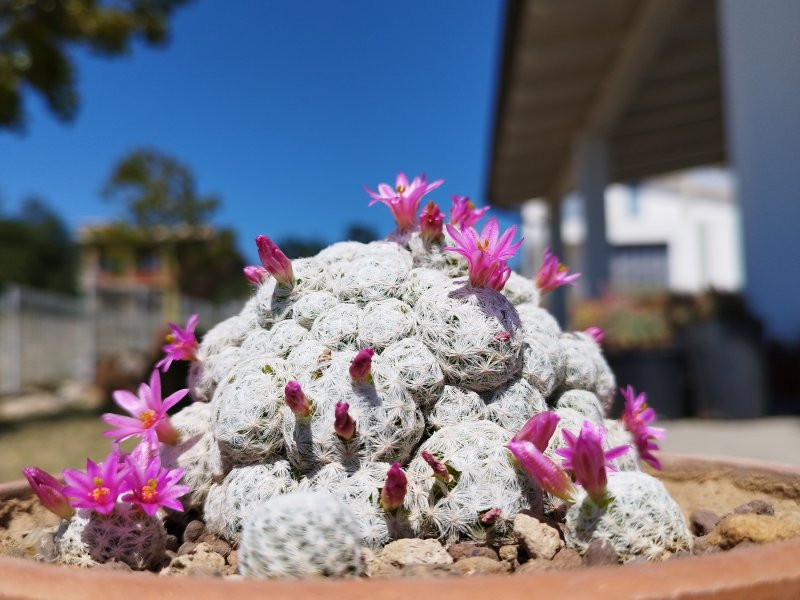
{"x":483,"y":244}
{"x":149,"y":492}
{"x":99,"y":493}
{"x":400,"y":189}
{"x":148,"y":418}
{"x":470,"y":205}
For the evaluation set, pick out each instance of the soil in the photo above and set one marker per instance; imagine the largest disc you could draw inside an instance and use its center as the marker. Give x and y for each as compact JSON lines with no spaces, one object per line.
{"x":703,"y":495}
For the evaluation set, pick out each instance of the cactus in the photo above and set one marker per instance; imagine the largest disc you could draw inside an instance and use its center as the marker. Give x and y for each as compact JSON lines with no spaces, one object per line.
{"x":639,"y":519}
{"x":301,"y":534}
{"x":127,"y":536}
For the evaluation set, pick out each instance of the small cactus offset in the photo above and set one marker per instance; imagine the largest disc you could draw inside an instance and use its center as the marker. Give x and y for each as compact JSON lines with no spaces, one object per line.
{"x":405,"y":387}
{"x":301,"y":534}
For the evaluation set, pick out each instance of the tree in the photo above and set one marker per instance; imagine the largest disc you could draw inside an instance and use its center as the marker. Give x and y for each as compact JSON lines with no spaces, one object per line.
{"x":157,"y":189}
{"x":35,"y":36}
{"x":36,"y":249}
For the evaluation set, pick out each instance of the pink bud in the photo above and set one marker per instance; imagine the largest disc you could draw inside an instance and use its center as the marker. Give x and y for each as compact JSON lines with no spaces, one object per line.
{"x":539,"y":429}
{"x":343,"y":423}
{"x":361,"y":366}
{"x":49,"y":490}
{"x":503,"y":336}
{"x":490,"y":516}
{"x":550,"y":476}
{"x":597,"y":333}
{"x":394,"y":488}
{"x":296,"y":400}
{"x":439,"y":469}
{"x":255,"y":274}
{"x":275,"y":262}
{"x":552,"y":274}
{"x":498,"y":279}
{"x":431,"y":221}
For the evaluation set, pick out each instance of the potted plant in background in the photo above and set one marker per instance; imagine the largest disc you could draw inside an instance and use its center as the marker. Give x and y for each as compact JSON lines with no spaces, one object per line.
{"x":641,"y":347}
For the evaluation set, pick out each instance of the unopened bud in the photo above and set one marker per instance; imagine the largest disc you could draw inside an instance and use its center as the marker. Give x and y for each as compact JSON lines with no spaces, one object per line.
{"x":343,"y":423}
{"x":439,"y":469}
{"x":361,"y":366}
{"x":50,"y":491}
{"x":296,"y":400}
{"x":394,"y":488}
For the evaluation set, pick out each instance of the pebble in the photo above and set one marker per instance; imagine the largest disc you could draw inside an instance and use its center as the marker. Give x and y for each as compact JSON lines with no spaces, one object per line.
{"x":221,"y":547}
{"x":567,"y":558}
{"x":735,"y":529}
{"x":539,"y":539}
{"x":202,"y":561}
{"x":412,"y":551}
{"x":480,"y":565}
{"x":600,"y":553}
{"x":703,"y":521}
{"x":186,"y":548}
{"x":462,"y":551}
{"x":193,"y":531}
{"x":173,"y":543}
{"x":509,"y":554}
{"x":427,"y":571}
{"x":756,"y":507}
{"x":536,"y":565}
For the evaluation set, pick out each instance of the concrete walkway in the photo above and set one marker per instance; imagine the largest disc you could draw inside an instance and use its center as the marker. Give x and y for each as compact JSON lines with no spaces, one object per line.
{"x":773,"y":439}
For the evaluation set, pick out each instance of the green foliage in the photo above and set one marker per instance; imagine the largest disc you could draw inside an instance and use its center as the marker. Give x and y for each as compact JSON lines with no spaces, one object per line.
{"x":35,"y":36}
{"x":157,"y":189}
{"x":36,"y":249}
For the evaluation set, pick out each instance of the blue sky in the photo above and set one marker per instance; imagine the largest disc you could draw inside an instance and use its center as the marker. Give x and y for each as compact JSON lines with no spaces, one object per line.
{"x":284,"y":109}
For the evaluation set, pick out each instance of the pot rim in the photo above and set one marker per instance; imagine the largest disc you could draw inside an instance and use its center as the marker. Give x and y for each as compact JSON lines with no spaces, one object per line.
{"x":764,"y":571}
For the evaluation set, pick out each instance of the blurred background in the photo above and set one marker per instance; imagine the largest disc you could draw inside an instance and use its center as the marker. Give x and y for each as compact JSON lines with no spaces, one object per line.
{"x":652,"y":144}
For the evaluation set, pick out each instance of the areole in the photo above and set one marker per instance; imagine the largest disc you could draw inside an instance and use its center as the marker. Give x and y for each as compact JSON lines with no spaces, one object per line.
{"x":770,"y":571}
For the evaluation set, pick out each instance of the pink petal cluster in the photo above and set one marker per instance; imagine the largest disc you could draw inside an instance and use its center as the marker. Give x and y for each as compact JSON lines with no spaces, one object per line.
{"x":552,"y":274}
{"x":585,"y":457}
{"x":463,"y":212}
{"x":361,"y":366}
{"x":490,"y":516}
{"x":149,"y":414}
{"x":296,"y":399}
{"x":181,"y":344}
{"x":486,"y":253}
{"x":275,"y":261}
{"x":431,"y":221}
{"x":440,"y":471}
{"x":255,"y":274}
{"x":343,"y":423}
{"x":403,"y":200}
{"x":637,"y":416}
{"x":150,"y":486}
{"x":99,"y":487}
{"x":528,"y":448}
{"x":49,"y":490}
{"x":394,"y":488}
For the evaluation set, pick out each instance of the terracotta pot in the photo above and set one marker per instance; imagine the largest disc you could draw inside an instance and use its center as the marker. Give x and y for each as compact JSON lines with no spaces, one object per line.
{"x":756,"y":572}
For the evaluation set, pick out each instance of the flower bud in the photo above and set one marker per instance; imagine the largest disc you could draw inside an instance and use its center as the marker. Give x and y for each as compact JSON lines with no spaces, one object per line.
{"x":439,"y":469}
{"x":343,"y":423}
{"x":296,"y":400}
{"x":394,"y":488}
{"x":539,"y":429}
{"x":431,"y":221}
{"x":50,"y":491}
{"x":255,"y":274}
{"x":490,"y":516}
{"x":549,"y":476}
{"x":361,"y":366}
{"x":597,"y":333}
{"x":275,"y":261}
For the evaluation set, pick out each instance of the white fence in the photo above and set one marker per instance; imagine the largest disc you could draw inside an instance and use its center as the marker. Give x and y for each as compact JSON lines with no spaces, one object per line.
{"x":46,"y":338}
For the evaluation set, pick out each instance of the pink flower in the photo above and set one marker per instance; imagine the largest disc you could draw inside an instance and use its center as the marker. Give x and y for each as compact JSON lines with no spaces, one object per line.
{"x":463,"y":212}
{"x":597,"y":333}
{"x":99,"y":487}
{"x":440,"y":471}
{"x":431,"y":220}
{"x":296,"y":399}
{"x":343,"y":423}
{"x":485,"y":253}
{"x":404,"y":199}
{"x":149,"y":412}
{"x":585,"y":457}
{"x":637,"y":416}
{"x":539,"y":429}
{"x":49,"y":490}
{"x":182,"y":344}
{"x":394,"y":488}
{"x":552,"y":274}
{"x":152,"y":486}
{"x":544,"y":471}
{"x":255,"y":274}
{"x":361,"y":366}
{"x":275,"y":261}
{"x":499,"y":278}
